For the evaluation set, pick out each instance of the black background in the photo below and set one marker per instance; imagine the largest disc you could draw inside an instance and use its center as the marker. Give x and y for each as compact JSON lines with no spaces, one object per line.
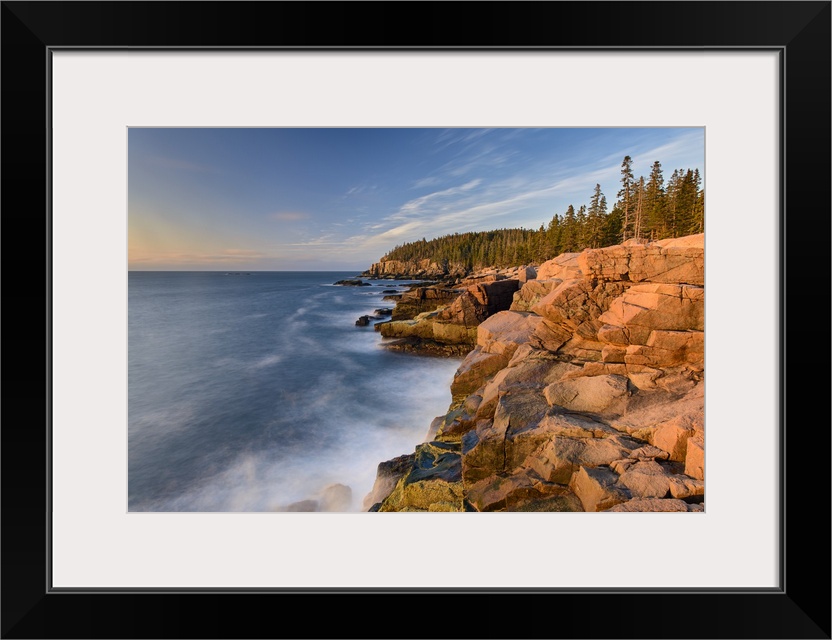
{"x":799,"y":609}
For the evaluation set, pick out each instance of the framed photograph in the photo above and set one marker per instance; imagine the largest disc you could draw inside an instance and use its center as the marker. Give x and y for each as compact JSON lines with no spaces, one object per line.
{"x":108,"y":105}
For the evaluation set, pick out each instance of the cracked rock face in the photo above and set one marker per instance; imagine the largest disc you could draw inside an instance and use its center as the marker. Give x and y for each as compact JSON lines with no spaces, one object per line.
{"x":440,"y":319}
{"x":585,"y":395}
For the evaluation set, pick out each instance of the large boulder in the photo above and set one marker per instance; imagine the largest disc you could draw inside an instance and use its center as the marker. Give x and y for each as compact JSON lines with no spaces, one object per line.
{"x":695,"y":458}
{"x":574,"y":308}
{"x":558,"y":457}
{"x":490,"y":447}
{"x":533,"y":371}
{"x":596,"y":489}
{"x":433,"y":483}
{"x":646,"y":308}
{"x":477,"y":367}
{"x":387,"y":475}
{"x":465,"y":311}
{"x":506,"y":493}
{"x":497,"y":340}
{"x":503,"y":332}
{"x":495,"y":296}
{"x":564,"y":267}
{"x":672,"y":436}
{"x":478,"y":302}
{"x":532,"y":292}
{"x":677,"y":260}
{"x":652,"y":505}
{"x":426,"y":326}
{"x":419,"y":327}
{"x":646,"y":479}
{"x":422,"y":299}
{"x":526,"y":274}
{"x":432,"y":318}
{"x":568,"y":303}
{"x":593,"y":394}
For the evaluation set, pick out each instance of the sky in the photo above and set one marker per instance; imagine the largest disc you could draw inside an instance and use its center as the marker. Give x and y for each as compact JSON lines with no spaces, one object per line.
{"x":318,"y":199}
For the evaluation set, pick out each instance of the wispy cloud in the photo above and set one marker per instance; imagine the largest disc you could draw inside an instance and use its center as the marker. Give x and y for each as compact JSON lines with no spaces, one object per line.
{"x":429,"y":181}
{"x":667,"y":153}
{"x":361,"y":188}
{"x":485,"y":203}
{"x":494,"y":199}
{"x":326,"y":239}
{"x":415,"y":206}
{"x":448,"y":137}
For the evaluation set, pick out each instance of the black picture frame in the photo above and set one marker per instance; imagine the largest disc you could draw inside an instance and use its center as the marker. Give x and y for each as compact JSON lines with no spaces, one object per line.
{"x":799,"y":608}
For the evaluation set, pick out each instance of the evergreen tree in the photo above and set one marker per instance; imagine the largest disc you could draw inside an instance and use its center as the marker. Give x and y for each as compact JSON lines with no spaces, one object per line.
{"x":581,"y":229}
{"x":639,"y":208}
{"x":595,"y":217}
{"x":685,"y":205}
{"x":654,"y":204}
{"x":611,"y":230}
{"x":570,"y":231}
{"x":553,"y":238}
{"x":672,"y":194}
{"x":625,"y":195}
{"x":699,"y":208}
{"x":646,"y":209}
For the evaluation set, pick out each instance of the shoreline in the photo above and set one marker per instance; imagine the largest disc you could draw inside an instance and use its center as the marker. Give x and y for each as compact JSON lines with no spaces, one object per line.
{"x":567,"y":400}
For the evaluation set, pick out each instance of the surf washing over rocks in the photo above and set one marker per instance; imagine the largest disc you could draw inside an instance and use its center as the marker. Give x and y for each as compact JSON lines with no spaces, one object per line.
{"x":255,"y":391}
{"x":582,"y":387}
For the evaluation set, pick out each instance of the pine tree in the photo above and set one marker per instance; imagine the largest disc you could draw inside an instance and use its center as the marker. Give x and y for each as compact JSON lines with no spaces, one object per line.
{"x":570,"y":231}
{"x":611,"y":232}
{"x":639,"y":207}
{"x":654,"y":203}
{"x":699,"y":210}
{"x":671,"y":201}
{"x":625,"y":196}
{"x":646,"y":209}
{"x":595,"y":217}
{"x":553,"y":238}
{"x":686,"y":205}
{"x":581,"y":229}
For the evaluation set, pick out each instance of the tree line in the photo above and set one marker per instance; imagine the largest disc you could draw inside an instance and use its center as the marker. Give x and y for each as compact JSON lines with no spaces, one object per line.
{"x":645,"y":208}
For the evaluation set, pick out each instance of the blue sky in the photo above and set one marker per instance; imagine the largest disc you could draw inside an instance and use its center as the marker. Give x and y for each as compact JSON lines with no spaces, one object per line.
{"x":338,"y":199}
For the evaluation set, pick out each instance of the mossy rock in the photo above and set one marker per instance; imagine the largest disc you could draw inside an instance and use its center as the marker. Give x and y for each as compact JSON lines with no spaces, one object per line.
{"x":565,"y":503}
{"x":422,"y":494}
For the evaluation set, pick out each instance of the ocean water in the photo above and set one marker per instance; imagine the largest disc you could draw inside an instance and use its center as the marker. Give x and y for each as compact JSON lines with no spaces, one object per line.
{"x":252,"y":392}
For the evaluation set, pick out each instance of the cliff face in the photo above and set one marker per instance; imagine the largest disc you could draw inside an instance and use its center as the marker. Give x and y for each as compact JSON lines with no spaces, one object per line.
{"x":444,"y":320}
{"x":415,"y":269}
{"x":586,"y":395}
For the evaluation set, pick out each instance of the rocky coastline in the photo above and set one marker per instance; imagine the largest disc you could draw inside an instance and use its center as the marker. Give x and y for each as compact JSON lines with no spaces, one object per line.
{"x":581,"y":388}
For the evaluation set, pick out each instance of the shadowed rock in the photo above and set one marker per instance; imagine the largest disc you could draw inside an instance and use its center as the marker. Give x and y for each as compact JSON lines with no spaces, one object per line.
{"x":387,"y":475}
{"x":353,"y":283}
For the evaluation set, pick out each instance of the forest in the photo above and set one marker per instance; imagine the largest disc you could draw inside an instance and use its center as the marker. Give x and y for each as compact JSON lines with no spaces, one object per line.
{"x":645,"y":208}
